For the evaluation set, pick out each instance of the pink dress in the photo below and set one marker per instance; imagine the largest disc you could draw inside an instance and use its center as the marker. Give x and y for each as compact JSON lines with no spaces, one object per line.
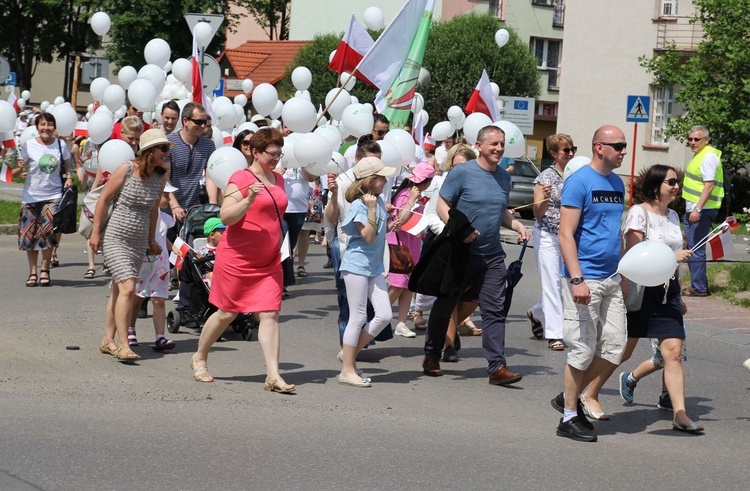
{"x":247,"y":271}
{"x":414,"y":243}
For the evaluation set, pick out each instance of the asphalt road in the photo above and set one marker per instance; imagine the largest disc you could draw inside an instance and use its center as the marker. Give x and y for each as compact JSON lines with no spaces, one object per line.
{"x":78,"y":420}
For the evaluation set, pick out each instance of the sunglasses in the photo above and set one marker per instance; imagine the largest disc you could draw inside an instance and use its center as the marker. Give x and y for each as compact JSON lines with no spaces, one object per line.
{"x":245,"y":143}
{"x":382,"y":133}
{"x":693,"y":139}
{"x":273,"y":155}
{"x":619,"y":147}
{"x":164,"y":148}
{"x":569,"y":150}
{"x":199,"y":122}
{"x":672,"y":181}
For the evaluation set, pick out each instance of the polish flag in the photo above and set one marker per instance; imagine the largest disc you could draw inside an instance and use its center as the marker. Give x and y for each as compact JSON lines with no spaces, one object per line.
{"x":721,"y":244}
{"x":483,"y":100}
{"x":416,"y":224}
{"x":5,"y":174}
{"x":8,"y":139}
{"x":82,"y":129}
{"x":13,"y":101}
{"x":351,"y":49}
{"x":176,"y":260}
{"x":732,"y":222}
{"x":227,"y":137}
{"x":182,"y":247}
{"x":197,"y":76}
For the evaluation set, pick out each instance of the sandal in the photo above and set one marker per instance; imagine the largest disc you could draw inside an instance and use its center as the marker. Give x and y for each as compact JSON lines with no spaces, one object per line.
{"x":44,"y":280}
{"x":536,"y":326}
{"x":108,"y":348}
{"x":556,"y":345}
{"x":273,"y":385}
{"x":132,"y":340}
{"x":31,"y":280}
{"x":200,"y":371}
{"x":419,"y":322}
{"x":125,"y":354}
{"x":89,"y":274}
{"x":301,"y":272}
{"x":467,"y":328}
{"x":54,"y":262}
{"x":163,"y":344}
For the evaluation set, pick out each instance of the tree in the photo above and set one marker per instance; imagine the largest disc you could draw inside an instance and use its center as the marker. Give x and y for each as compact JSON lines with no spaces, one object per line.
{"x":713,"y":83}
{"x":271,"y":15}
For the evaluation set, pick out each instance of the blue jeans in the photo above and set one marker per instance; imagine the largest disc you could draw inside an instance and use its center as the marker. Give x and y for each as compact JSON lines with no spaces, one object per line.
{"x":340,"y":288}
{"x":695,"y":232}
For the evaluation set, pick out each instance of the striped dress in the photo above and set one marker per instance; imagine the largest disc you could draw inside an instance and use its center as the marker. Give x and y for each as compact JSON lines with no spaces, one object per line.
{"x":126,"y":237}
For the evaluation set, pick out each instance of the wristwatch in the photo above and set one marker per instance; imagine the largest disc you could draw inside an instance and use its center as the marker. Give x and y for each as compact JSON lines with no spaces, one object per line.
{"x":698,"y":209}
{"x":576,"y":280}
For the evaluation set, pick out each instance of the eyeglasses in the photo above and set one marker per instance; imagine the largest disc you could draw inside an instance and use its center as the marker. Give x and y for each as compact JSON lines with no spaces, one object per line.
{"x":693,"y":139}
{"x":569,"y":150}
{"x":618,"y":147}
{"x":672,"y":181}
{"x":382,"y":133}
{"x":199,"y":122}
{"x":164,"y":148}
{"x":245,"y":143}
{"x":273,"y":155}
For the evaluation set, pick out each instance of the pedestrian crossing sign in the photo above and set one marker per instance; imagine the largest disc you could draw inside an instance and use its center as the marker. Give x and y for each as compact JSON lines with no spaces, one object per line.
{"x":638,"y":107}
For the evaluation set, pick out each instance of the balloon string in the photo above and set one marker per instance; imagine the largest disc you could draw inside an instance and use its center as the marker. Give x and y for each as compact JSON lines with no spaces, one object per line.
{"x":530,"y":204}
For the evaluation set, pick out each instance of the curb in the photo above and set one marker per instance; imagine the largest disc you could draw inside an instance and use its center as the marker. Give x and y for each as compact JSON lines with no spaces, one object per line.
{"x":9,"y":229}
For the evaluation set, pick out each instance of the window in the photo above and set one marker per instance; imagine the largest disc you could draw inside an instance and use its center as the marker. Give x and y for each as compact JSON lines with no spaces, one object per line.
{"x":662,"y":112}
{"x":496,"y":8}
{"x":668,"y":8}
{"x":546,"y":52}
{"x":548,"y":3}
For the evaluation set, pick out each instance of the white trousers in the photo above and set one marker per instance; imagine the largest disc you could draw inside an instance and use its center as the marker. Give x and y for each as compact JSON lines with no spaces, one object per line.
{"x":549,"y":308}
{"x":359,"y":289}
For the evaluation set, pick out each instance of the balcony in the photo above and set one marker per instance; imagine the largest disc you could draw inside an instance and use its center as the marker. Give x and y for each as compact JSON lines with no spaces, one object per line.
{"x":685,"y":35}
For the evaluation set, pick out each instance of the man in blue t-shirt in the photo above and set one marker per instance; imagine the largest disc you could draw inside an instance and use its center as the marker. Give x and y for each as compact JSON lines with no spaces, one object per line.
{"x":479,"y":189}
{"x":594,"y":312}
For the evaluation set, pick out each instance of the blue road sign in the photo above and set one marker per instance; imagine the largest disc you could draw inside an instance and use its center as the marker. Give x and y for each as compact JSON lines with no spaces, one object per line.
{"x":11,"y":80}
{"x":219,"y":91}
{"x":638,"y":108}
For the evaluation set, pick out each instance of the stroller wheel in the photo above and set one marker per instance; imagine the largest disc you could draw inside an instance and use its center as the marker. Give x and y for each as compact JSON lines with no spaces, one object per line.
{"x":173,"y":321}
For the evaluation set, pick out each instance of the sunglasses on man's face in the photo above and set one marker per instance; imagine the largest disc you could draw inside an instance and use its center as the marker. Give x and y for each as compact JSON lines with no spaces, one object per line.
{"x":381,"y":133}
{"x":199,"y":122}
{"x":694,"y":139}
{"x":618,"y":147}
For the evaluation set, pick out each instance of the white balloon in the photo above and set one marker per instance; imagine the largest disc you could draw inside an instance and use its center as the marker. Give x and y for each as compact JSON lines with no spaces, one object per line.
{"x":455,"y":114}
{"x":104,"y":110}
{"x":100,"y":127}
{"x":224,"y":111}
{"x":457,"y":125}
{"x":241,"y":100}
{"x":43,"y":106}
{"x":358,"y":120}
{"x":424,"y":77}
{"x":155,"y":75}
{"x":114,"y":153}
{"x":27,"y":134}
{"x":318,"y":169}
{"x":417,"y":103}
{"x":336,"y":106}
{"x":347,"y":81}
{"x":369,"y":107}
{"x":142,"y":94}
{"x":574,"y":164}
{"x":247,"y":86}
{"x":26,"y":94}
{"x":389,"y":154}
{"x":157,"y":52}
{"x":374,"y":18}
{"x":182,"y":70}
{"x":648,"y":263}
{"x":475,"y":122}
{"x":404,"y":143}
{"x":50,"y":108}
{"x":276,"y":113}
{"x":331,"y":134}
{"x":301,"y":78}
{"x":126,"y":76}
{"x":240,"y":117}
{"x":515,"y":142}
{"x":442,"y":130}
{"x":247,"y":125}
{"x":495,"y":89}
{"x":288,"y":160}
{"x":224,"y":162}
{"x":337,"y":165}
{"x":167,"y":67}
{"x":299,"y":115}
{"x":355,"y":100}
{"x":7,"y":117}
{"x":217,"y":136}
{"x":330,"y":57}
{"x":501,"y":37}
{"x":66,"y":119}
{"x":311,"y":149}
{"x":424,"y":116}
{"x":202,"y":33}
{"x":114,"y":97}
{"x":264,"y":98}
{"x":59,"y":100}
{"x":97,"y":88}
{"x":100,"y":23}
{"x":148,"y":117}
{"x":21,"y":103}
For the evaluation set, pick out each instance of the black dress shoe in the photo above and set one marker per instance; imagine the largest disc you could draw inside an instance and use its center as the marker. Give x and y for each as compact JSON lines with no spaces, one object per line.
{"x":558,"y":402}
{"x":576,"y":430}
{"x":450,"y":355}
{"x":431,"y":365}
{"x":503,"y":376}
{"x":328,"y":264}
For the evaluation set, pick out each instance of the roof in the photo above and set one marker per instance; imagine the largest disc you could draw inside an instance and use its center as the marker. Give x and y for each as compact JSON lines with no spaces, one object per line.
{"x":259,"y":61}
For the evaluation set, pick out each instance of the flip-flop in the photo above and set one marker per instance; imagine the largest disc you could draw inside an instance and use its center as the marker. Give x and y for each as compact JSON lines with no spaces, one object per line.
{"x":556,"y":345}
{"x":89,"y":274}
{"x":536,"y":326}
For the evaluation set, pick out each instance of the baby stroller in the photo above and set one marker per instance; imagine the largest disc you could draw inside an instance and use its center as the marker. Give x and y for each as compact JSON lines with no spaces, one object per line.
{"x":193,"y":269}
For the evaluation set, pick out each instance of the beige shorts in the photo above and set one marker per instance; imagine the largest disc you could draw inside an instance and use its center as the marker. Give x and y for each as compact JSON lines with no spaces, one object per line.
{"x":597,"y":329}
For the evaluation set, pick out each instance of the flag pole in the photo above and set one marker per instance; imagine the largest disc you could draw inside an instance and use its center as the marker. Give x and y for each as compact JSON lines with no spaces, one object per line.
{"x":715,"y":232}
{"x":325,"y":110}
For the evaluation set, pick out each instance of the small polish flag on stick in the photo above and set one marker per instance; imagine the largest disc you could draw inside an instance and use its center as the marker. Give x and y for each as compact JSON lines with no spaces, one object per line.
{"x":82,"y":129}
{"x":182,"y":247}
{"x":721,"y":244}
{"x":176,"y":260}
{"x":8,"y":140}
{"x":5,"y":174}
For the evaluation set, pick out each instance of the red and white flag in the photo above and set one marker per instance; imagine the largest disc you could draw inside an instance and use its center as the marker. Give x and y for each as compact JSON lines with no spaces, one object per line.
{"x":13,"y":101}
{"x":732,"y":222}
{"x":182,"y":247}
{"x":199,"y":95}
{"x":82,"y":129}
{"x":176,"y":260}
{"x":351,"y":49}
{"x":483,"y":100}
{"x":227,"y":137}
{"x":5,"y":174}
{"x":721,"y":244}
{"x":9,"y":141}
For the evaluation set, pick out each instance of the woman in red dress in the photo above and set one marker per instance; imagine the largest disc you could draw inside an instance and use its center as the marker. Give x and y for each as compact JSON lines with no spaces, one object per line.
{"x":247,"y":274}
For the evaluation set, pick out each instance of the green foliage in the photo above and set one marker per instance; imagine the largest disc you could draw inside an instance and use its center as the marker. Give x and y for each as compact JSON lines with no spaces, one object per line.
{"x":9,"y":212}
{"x":713,"y":83}
{"x":271,"y":15}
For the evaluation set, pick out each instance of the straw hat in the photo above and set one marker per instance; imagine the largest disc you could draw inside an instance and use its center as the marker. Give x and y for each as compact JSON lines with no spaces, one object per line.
{"x":152,"y":138}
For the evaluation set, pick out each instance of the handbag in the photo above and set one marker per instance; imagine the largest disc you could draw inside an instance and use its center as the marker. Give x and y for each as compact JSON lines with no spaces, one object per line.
{"x":401,"y":260}
{"x":634,"y":291}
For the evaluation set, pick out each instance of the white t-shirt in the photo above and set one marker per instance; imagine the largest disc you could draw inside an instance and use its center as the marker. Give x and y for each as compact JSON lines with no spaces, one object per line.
{"x":709,"y":166}
{"x":43,"y":181}
{"x":665,"y":229}
{"x":440,"y":154}
{"x":297,"y":188}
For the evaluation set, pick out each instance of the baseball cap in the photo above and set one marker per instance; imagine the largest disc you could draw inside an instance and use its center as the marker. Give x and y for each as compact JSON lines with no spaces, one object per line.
{"x":421,"y":172}
{"x":372,"y":166}
{"x":212,"y":224}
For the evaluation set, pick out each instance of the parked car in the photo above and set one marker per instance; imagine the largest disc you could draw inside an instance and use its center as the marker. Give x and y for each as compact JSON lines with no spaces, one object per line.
{"x":522,"y":175}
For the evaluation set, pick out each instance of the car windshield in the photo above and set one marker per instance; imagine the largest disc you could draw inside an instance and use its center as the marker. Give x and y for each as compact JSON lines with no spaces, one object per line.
{"x":524,"y":169}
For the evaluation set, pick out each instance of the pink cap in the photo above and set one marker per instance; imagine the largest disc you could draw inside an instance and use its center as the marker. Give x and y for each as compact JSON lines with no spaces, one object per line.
{"x":421,"y":172}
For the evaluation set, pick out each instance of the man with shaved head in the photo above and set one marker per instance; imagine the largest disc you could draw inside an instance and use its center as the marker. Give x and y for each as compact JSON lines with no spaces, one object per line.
{"x":594,"y":312}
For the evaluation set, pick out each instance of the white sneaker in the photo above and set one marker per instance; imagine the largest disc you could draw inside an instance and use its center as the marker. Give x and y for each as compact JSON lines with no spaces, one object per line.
{"x":402,"y":330}
{"x":747,"y":364}
{"x":176,"y":298}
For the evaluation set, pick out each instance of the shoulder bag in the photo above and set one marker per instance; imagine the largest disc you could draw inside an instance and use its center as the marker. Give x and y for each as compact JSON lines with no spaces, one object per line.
{"x":401,"y":260}
{"x":64,"y":219}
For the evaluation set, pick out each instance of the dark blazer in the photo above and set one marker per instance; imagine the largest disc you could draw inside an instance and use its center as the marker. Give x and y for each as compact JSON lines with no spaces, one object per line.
{"x":444,"y":260}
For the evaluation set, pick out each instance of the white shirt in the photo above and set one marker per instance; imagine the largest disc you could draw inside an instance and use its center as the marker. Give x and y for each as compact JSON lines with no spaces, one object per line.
{"x":43,"y":181}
